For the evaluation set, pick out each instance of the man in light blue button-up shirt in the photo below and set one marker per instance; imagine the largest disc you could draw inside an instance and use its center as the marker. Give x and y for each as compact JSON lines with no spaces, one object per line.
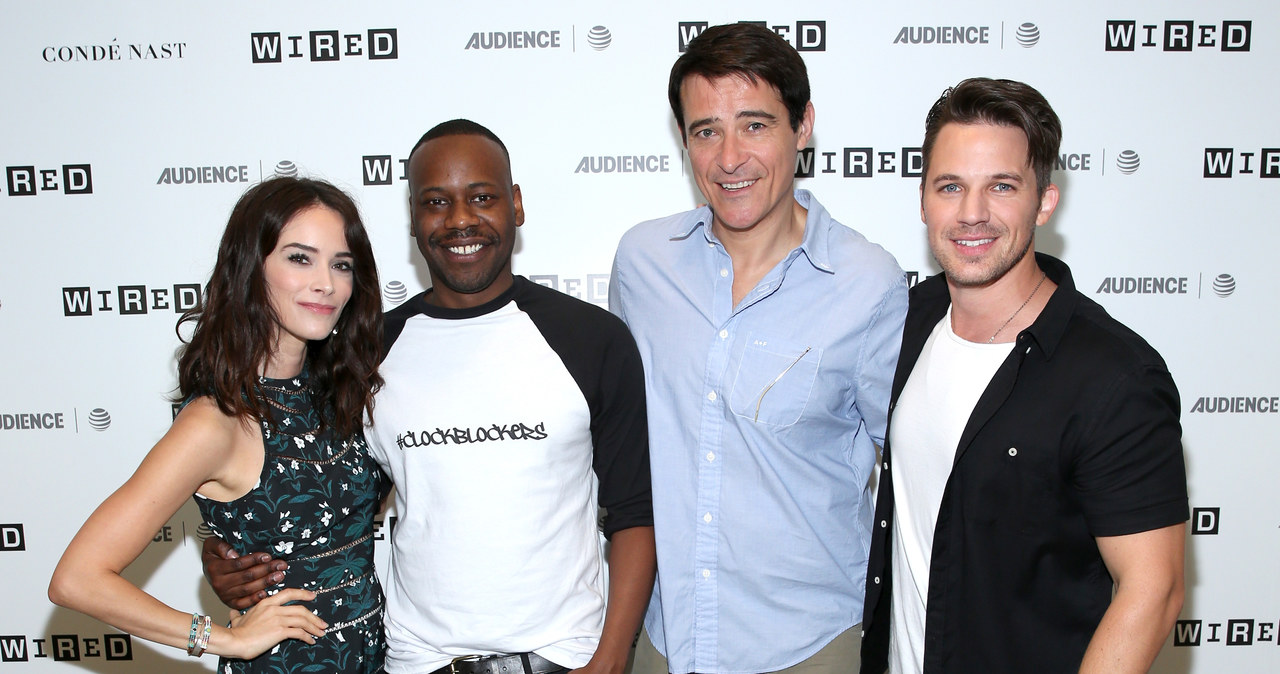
{"x":769,"y":334}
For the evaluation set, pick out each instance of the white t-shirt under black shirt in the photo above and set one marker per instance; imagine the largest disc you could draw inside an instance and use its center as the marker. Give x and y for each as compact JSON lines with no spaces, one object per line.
{"x":929,"y":417}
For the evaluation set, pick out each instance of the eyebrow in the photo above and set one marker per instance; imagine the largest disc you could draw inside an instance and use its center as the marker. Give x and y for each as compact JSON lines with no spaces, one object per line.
{"x":1004,"y":176}
{"x":312,"y":249}
{"x":742,"y":114}
{"x":470,"y":186}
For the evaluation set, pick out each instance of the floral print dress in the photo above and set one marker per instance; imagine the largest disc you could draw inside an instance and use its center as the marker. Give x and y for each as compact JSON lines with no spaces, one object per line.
{"x":313,"y":507}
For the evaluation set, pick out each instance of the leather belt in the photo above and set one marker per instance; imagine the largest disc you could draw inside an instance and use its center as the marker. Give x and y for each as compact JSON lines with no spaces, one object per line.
{"x":515,"y":663}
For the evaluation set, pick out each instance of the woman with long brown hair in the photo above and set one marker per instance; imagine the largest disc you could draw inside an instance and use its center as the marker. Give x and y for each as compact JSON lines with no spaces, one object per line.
{"x":279,"y":370}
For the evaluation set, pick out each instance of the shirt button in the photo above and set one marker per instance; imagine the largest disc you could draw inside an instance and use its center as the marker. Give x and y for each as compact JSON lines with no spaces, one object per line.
{"x":711,"y":456}
{"x":877,"y":580}
{"x":711,"y":396}
{"x":1013,"y":451}
{"x":707,"y":518}
{"x":884,"y":523}
{"x":706,"y":573}
{"x":886,"y":465}
{"x":724,"y":333}
{"x":724,"y":273}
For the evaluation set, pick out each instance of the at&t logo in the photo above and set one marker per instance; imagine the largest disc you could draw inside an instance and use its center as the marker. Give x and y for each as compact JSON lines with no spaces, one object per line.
{"x":394,"y":293}
{"x":599,"y":38}
{"x":25,"y":181}
{"x":1027,"y":35}
{"x":804,"y":35}
{"x":1179,"y":35}
{"x":375,"y":44}
{"x":1221,"y":162}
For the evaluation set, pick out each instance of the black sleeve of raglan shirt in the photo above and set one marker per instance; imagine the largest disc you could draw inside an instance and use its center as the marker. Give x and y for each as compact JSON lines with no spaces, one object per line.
{"x":601,"y":356}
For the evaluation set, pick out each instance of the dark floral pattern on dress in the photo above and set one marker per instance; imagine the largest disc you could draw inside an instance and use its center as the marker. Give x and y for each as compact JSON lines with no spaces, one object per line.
{"x":313,"y":507}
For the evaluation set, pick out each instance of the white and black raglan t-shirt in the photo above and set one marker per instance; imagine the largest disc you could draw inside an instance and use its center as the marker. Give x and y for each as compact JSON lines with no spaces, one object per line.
{"x":502,"y":427}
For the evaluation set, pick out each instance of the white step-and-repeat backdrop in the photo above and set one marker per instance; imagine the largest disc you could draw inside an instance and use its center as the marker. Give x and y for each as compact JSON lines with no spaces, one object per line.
{"x":130,"y":128}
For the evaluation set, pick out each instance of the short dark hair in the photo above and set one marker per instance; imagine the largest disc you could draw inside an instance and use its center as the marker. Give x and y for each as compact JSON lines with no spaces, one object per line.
{"x":460,"y":127}
{"x":745,"y":50}
{"x":982,"y":100}
{"x":236,"y":326}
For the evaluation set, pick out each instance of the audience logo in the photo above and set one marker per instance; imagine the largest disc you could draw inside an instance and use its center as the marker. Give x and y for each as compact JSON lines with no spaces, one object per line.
{"x":802,"y":35}
{"x":1236,"y":405}
{"x":394,"y":293}
{"x":514,"y":39}
{"x":65,"y":648}
{"x":203,"y":175}
{"x":131,"y":300}
{"x":944,"y":35}
{"x":286,"y":169}
{"x":374,"y":44}
{"x":33,"y":421}
{"x":599,"y":38}
{"x":1222,"y":285}
{"x":1226,"y":162}
{"x":1027,"y":35}
{"x":26,"y":181}
{"x":1178,"y":36}
{"x":628,"y":163}
{"x":1143,"y":285}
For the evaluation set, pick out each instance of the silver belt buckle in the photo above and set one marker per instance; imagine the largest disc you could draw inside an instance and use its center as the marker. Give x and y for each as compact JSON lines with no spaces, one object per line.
{"x":462,"y":658}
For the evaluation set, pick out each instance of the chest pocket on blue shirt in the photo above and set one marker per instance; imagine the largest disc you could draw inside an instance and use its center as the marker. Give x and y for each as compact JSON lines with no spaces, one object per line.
{"x":774,"y":381}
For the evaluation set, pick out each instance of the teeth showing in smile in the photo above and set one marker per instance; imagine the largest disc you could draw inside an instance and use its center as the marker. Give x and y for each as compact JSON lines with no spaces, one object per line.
{"x":975,"y":243}
{"x":736,"y":186}
{"x":464,"y":250}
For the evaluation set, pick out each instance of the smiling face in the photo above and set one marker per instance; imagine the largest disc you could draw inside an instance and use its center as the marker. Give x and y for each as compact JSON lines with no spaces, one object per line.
{"x":980,"y":205}
{"x":742,"y":150}
{"x":464,"y":211}
{"x":308,"y":277}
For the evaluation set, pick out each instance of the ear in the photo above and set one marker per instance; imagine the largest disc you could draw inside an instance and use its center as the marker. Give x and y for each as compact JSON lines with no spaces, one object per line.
{"x":1048,"y":202}
{"x":805,"y":132}
{"x":922,"y":203}
{"x":518,"y":203}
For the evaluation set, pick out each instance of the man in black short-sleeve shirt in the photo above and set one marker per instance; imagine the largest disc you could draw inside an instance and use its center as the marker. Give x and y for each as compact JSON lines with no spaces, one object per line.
{"x":1034,"y":458}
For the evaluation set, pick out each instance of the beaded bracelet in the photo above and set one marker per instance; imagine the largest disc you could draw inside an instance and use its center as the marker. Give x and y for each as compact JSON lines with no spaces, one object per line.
{"x":195,"y":631}
{"x":198,"y":639}
{"x":204,"y":636}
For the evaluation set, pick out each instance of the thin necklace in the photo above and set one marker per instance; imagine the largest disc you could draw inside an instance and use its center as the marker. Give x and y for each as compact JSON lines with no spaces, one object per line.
{"x":1015,"y":311}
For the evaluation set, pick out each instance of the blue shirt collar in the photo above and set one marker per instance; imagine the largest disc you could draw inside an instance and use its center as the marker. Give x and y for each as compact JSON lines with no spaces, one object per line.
{"x":817,"y":229}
